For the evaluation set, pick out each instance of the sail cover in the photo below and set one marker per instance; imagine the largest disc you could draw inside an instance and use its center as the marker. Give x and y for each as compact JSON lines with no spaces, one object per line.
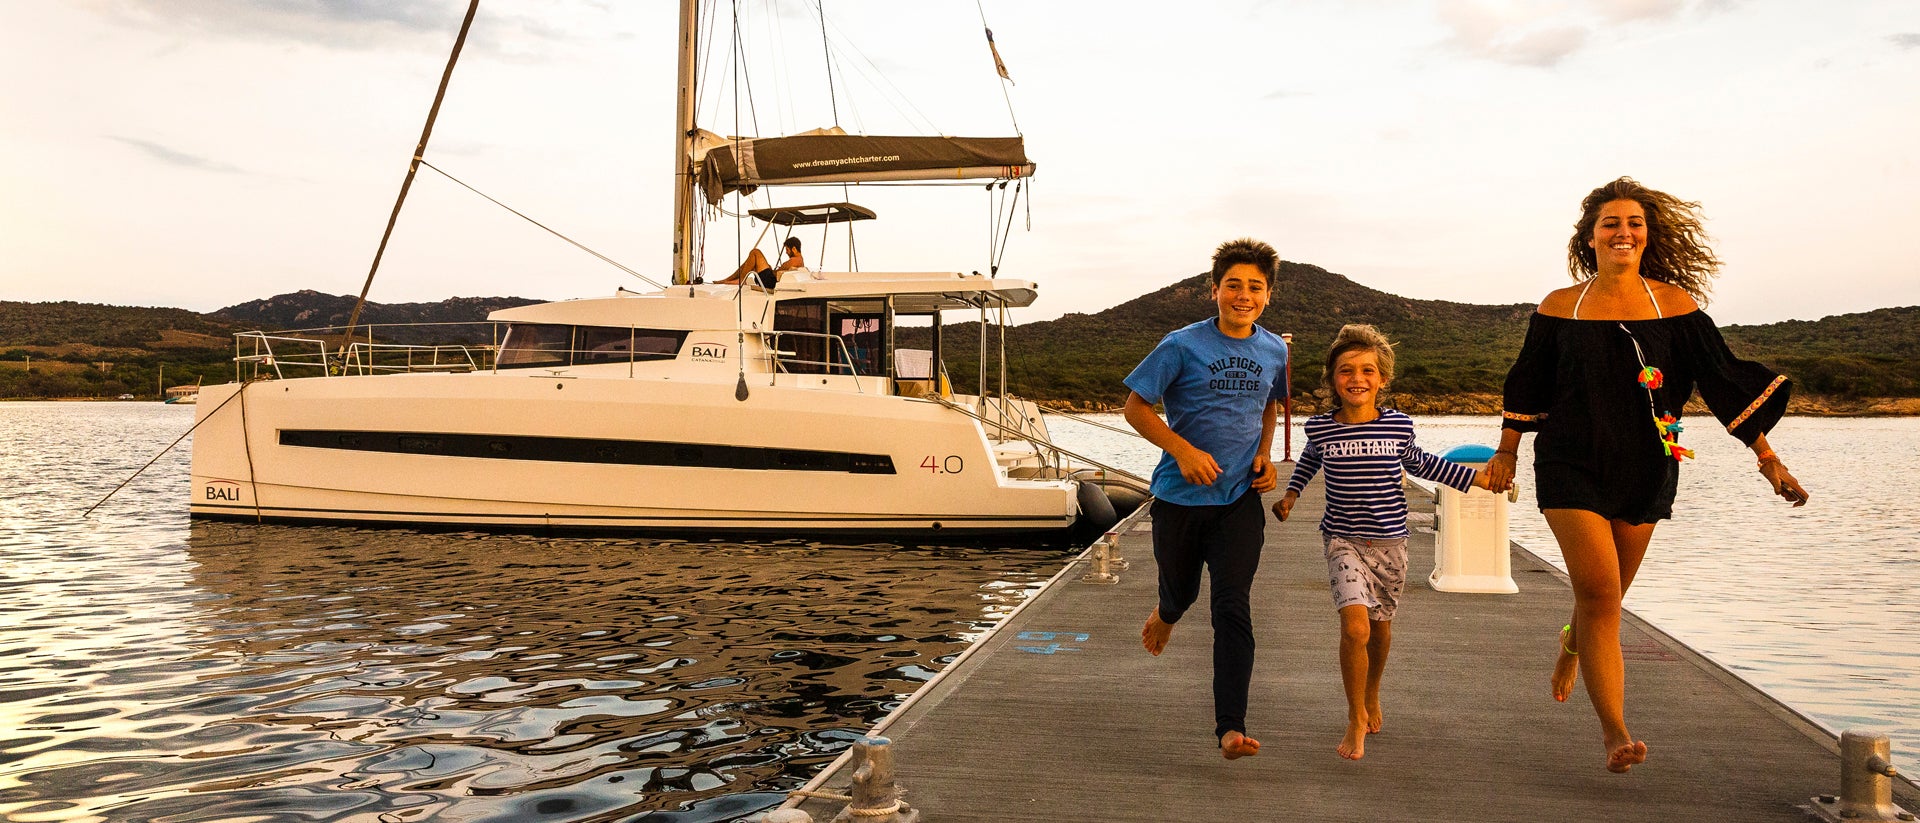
{"x":743,"y":165}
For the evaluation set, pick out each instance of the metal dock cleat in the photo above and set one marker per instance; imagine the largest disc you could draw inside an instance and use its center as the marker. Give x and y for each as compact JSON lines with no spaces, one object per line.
{"x":1866,"y":783}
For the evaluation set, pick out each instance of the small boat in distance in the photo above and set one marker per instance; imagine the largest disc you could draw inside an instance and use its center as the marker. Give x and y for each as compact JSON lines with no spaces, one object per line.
{"x":783,"y":408}
{"x":183,"y":395}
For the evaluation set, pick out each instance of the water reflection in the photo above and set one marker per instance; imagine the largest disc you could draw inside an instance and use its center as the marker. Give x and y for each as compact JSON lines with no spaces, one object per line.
{"x":156,"y":670}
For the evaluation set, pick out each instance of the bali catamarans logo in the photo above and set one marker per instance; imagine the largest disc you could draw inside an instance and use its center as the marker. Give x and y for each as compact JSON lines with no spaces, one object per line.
{"x":709,"y":353}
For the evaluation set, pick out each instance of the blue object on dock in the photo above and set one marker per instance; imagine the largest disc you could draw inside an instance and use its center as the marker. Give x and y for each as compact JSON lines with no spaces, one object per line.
{"x":1469,"y":453}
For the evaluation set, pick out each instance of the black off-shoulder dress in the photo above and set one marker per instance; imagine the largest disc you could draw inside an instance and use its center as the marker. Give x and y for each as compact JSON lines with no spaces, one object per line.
{"x":1598,"y":448}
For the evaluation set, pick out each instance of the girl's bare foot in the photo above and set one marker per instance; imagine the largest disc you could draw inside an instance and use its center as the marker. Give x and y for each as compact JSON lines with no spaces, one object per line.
{"x":1354,"y":745}
{"x":1154,"y":635}
{"x":1234,"y":745}
{"x":1566,"y":669}
{"x":1622,"y":757}
{"x":1375,"y":719}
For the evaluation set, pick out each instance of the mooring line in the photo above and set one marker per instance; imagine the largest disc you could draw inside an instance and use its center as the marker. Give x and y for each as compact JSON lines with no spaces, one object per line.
{"x":163,"y":452}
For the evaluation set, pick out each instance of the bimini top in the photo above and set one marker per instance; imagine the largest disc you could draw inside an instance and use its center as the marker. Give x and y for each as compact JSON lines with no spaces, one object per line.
{"x":813,"y":215}
{"x":711,"y":306}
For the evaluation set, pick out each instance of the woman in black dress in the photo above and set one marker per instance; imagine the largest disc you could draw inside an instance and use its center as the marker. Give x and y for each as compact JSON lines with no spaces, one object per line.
{"x":1606,"y":367}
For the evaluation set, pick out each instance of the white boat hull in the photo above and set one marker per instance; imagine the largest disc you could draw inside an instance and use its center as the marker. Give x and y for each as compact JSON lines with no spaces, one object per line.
{"x":527,"y":451}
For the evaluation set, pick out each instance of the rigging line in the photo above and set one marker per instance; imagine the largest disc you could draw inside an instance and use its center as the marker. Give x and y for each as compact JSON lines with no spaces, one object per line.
{"x":163,"y":452}
{"x":733,"y":62}
{"x":576,"y":244}
{"x":1006,"y":237}
{"x":746,"y":71}
{"x":1004,"y":81}
{"x":414,"y":167}
{"x":827,"y":49}
{"x":848,"y":43}
{"x":705,"y":50}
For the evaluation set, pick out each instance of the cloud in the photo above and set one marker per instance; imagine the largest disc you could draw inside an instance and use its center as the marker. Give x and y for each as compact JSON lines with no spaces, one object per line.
{"x":1623,"y":11}
{"x":1285,"y":94}
{"x":181,"y":159}
{"x":339,"y":24}
{"x":1515,"y":33}
{"x":1541,"y":34}
{"x":1906,"y":40}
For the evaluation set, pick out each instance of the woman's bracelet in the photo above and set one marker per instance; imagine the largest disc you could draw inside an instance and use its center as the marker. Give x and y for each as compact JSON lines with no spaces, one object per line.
{"x":1507,"y":452}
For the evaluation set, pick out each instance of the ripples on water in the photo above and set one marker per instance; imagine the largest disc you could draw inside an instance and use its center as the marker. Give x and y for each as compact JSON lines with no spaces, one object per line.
{"x":153,"y":669}
{"x":1815,"y":605}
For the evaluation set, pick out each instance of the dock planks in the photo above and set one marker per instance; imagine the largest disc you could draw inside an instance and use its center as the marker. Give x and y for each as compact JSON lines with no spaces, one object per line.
{"x":1061,"y":716}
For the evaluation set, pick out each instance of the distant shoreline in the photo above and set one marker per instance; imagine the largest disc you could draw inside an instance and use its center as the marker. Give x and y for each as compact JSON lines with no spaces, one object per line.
{"x":1489,"y":404}
{"x":1445,"y":404}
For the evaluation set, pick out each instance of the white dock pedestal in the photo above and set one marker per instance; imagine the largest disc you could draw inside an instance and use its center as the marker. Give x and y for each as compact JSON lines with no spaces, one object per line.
{"x":1470,"y":540}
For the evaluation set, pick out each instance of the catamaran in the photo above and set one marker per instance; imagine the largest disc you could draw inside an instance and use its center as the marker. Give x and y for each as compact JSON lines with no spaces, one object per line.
{"x":786,"y":410}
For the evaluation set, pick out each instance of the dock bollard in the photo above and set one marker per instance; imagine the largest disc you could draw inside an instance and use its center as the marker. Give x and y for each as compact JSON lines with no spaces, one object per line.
{"x":1866,"y":783}
{"x":876,"y":797}
{"x":1102,"y":573}
{"x":1114,"y":561}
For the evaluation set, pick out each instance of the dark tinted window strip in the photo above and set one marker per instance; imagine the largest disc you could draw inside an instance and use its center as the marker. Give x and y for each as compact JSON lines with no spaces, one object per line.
{"x":586,"y":450}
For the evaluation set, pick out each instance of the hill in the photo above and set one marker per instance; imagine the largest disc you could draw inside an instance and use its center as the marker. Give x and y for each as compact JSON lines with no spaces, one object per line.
{"x":69,"y":349}
{"x":1453,"y":356}
{"x":1445,"y":348}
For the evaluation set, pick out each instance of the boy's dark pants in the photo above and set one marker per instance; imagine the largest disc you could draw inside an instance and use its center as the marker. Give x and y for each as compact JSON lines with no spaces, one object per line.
{"x":1227,"y":541}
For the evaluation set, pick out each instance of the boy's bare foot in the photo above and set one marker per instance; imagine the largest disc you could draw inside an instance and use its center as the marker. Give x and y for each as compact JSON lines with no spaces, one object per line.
{"x":1234,"y":745}
{"x":1624,"y":756}
{"x":1375,"y":720}
{"x":1154,"y":635}
{"x":1566,"y":670}
{"x":1354,"y":745}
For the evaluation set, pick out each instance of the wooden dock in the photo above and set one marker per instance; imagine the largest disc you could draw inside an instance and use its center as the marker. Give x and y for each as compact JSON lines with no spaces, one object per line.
{"x":1061,"y":716}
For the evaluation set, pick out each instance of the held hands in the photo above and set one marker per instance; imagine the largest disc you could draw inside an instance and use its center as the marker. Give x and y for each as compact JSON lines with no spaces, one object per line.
{"x":1198,"y":467}
{"x":1266,"y":477}
{"x":1498,"y":473}
{"x":1284,"y":506}
{"x":1783,"y":483}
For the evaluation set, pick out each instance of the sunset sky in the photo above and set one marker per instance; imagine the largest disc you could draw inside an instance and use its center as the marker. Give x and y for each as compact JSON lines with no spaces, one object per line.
{"x":201,"y":153}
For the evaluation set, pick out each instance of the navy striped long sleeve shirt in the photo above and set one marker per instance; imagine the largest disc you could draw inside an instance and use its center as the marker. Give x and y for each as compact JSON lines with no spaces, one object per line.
{"x":1363,"y":463}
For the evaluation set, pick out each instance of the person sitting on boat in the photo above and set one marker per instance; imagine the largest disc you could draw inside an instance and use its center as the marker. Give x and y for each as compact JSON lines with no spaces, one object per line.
{"x":758,"y":266}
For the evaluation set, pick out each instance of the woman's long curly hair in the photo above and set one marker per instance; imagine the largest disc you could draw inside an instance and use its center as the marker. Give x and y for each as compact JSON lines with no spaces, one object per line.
{"x":1676,"y":250}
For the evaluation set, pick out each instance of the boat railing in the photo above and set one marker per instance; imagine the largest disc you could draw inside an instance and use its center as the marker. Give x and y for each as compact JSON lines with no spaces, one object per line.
{"x":392,"y":358}
{"x":276,"y":354}
{"x":779,"y":357}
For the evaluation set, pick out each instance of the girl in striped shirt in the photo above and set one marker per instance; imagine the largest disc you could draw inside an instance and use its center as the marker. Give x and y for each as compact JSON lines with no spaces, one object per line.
{"x":1363,"y":450}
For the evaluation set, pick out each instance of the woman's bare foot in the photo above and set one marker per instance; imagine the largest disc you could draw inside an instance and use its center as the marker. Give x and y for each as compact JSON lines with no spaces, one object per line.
{"x":1566,"y":669}
{"x":1375,"y":720}
{"x":1354,"y":745}
{"x":1154,"y":635}
{"x":1234,"y":745}
{"x":1626,"y":755}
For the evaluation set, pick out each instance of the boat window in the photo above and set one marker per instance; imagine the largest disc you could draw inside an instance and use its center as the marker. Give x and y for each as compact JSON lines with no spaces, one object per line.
{"x":808,"y":352}
{"x":532,"y":345}
{"x":862,"y":334}
{"x":609,"y":344}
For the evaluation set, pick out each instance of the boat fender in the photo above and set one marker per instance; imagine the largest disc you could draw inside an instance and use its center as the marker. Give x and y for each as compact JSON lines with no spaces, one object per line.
{"x":1096,"y":511}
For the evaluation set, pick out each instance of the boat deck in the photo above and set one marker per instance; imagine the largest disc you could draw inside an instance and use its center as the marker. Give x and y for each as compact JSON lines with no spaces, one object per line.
{"x":1060,"y":715}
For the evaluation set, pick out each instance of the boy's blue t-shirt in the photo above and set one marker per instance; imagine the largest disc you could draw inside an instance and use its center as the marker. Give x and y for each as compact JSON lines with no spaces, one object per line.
{"x":1215,"y":388}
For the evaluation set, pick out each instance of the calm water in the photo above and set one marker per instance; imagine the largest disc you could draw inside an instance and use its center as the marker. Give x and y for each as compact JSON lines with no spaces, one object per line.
{"x":1815,"y":605}
{"x":156,"y":669}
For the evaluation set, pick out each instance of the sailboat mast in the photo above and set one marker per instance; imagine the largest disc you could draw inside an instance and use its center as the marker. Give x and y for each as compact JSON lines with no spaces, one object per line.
{"x":683,"y":182}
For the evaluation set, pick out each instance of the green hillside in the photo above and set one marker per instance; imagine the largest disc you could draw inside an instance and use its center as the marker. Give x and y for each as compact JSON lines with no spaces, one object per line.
{"x":1446,"y":350}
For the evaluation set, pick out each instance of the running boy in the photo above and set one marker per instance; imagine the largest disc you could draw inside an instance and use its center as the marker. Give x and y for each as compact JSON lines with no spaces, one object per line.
{"x":1364,"y":448}
{"x":1216,"y":377}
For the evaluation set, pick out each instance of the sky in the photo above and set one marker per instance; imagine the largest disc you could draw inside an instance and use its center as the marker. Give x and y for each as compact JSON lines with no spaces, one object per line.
{"x":203,"y":153}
